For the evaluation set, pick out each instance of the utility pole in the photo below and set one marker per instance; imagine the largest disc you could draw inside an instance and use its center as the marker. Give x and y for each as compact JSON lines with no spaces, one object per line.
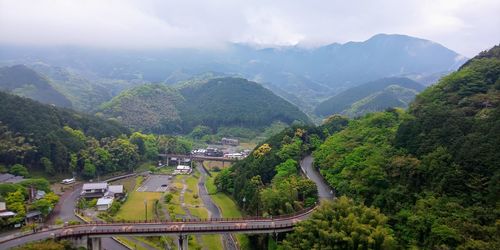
{"x":146,"y":208}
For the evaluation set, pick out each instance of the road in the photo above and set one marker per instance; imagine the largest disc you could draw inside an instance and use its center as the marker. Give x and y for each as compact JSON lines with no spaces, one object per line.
{"x":324,"y":190}
{"x":65,"y":211}
{"x":228,"y":239}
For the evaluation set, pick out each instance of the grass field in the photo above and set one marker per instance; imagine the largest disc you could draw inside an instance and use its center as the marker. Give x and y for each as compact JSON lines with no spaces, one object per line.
{"x":134,"y":208}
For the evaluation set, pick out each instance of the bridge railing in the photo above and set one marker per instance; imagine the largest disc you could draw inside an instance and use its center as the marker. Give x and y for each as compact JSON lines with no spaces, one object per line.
{"x":198,"y":220}
{"x":186,"y":229}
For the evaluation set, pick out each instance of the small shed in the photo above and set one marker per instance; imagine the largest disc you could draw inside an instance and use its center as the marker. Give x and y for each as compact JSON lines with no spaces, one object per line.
{"x":104,"y":203}
{"x":33,"y":216}
{"x":40,"y":194}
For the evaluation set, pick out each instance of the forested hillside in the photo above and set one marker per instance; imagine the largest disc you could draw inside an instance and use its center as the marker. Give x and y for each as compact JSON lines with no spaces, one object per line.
{"x":433,"y":171}
{"x":86,"y":92}
{"x":49,"y":129}
{"x":22,"y":81}
{"x":235,"y":102}
{"x":215,"y":103}
{"x":149,"y":107}
{"x":371,"y":97}
{"x":39,"y":137}
{"x":268,"y":182}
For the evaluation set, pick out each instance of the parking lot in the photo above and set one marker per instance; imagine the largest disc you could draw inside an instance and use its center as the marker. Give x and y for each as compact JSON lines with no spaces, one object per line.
{"x":155,"y":183}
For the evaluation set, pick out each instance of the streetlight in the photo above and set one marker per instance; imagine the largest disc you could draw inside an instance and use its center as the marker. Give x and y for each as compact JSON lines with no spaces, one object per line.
{"x":146,"y":208}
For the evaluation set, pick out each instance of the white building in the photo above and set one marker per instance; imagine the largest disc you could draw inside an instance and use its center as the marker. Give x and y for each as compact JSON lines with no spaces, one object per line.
{"x":182,"y":169}
{"x":104,"y":203}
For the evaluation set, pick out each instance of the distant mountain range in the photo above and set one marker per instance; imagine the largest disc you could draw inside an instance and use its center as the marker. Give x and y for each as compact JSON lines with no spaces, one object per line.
{"x":23,"y":81}
{"x":216,"y":103}
{"x":303,"y":76}
{"x":371,"y":97}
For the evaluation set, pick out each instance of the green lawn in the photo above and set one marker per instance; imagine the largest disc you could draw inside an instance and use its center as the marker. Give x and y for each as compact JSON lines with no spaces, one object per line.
{"x":211,"y":188}
{"x":212,"y":241}
{"x":131,"y":244}
{"x":134,"y":208}
{"x":192,"y":191}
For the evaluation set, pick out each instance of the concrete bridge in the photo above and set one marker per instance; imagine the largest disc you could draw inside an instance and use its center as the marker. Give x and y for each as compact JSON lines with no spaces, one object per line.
{"x":89,"y":235}
{"x":198,"y":157}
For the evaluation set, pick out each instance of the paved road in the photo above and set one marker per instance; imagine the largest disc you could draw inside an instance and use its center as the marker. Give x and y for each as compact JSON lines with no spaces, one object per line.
{"x":65,"y":210}
{"x":325,"y":192}
{"x":67,"y":203}
{"x":227,"y":239}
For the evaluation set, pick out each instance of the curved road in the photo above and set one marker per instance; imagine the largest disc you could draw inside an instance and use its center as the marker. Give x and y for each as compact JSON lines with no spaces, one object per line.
{"x":325,"y":192}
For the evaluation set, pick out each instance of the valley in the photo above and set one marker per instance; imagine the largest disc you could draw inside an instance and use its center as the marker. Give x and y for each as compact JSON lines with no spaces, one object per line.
{"x":241,"y":126}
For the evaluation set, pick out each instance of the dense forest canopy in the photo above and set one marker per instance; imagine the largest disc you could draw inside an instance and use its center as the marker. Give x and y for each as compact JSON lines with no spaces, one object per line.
{"x":268,"y":182}
{"x":434,"y":170}
{"x":43,"y":137}
{"x":215,"y":103}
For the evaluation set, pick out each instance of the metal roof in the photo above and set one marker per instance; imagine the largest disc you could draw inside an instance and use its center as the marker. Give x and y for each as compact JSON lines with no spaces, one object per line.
{"x":88,"y":186}
{"x":104,"y":201}
{"x":117,"y":189}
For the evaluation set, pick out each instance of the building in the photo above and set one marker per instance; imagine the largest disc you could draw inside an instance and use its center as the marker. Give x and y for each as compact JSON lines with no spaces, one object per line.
{"x":237,"y":156}
{"x":214,"y":152}
{"x":104,"y":203}
{"x":182,"y":169}
{"x":116,"y":191}
{"x":94,"y":190}
{"x":39,"y":194}
{"x":33,"y":216}
{"x":98,"y":190}
{"x":228,"y":141}
{"x":4,"y":213}
{"x":9,"y":178}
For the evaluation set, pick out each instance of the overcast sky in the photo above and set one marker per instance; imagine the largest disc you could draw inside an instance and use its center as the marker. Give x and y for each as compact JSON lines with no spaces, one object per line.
{"x":466,"y":26}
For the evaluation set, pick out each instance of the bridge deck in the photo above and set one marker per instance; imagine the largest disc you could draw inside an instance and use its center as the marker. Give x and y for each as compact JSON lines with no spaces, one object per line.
{"x":199,"y":157}
{"x":154,"y":228}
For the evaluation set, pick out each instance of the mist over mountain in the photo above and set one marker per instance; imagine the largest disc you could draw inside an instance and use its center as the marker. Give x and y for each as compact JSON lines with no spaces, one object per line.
{"x":22,"y":81}
{"x":371,"y":97}
{"x":303,"y":76}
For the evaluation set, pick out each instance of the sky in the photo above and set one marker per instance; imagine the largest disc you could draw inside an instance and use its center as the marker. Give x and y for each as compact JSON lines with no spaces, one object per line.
{"x":466,"y":26}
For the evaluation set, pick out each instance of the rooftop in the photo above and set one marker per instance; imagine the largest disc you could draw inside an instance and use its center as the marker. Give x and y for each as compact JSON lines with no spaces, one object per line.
{"x":117,"y":189}
{"x":88,"y":186}
{"x":183,"y":167}
{"x":104,"y":201}
{"x":7,"y":214}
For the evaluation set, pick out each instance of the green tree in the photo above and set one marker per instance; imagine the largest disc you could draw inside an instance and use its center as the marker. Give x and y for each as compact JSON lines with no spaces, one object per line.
{"x":15,"y":203}
{"x":342,"y":224}
{"x":286,"y":169}
{"x":47,"y":165}
{"x":89,"y":170}
{"x":19,"y":169}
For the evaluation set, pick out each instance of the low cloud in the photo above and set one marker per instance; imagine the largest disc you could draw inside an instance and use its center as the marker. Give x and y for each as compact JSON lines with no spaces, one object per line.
{"x":467,"y":26}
